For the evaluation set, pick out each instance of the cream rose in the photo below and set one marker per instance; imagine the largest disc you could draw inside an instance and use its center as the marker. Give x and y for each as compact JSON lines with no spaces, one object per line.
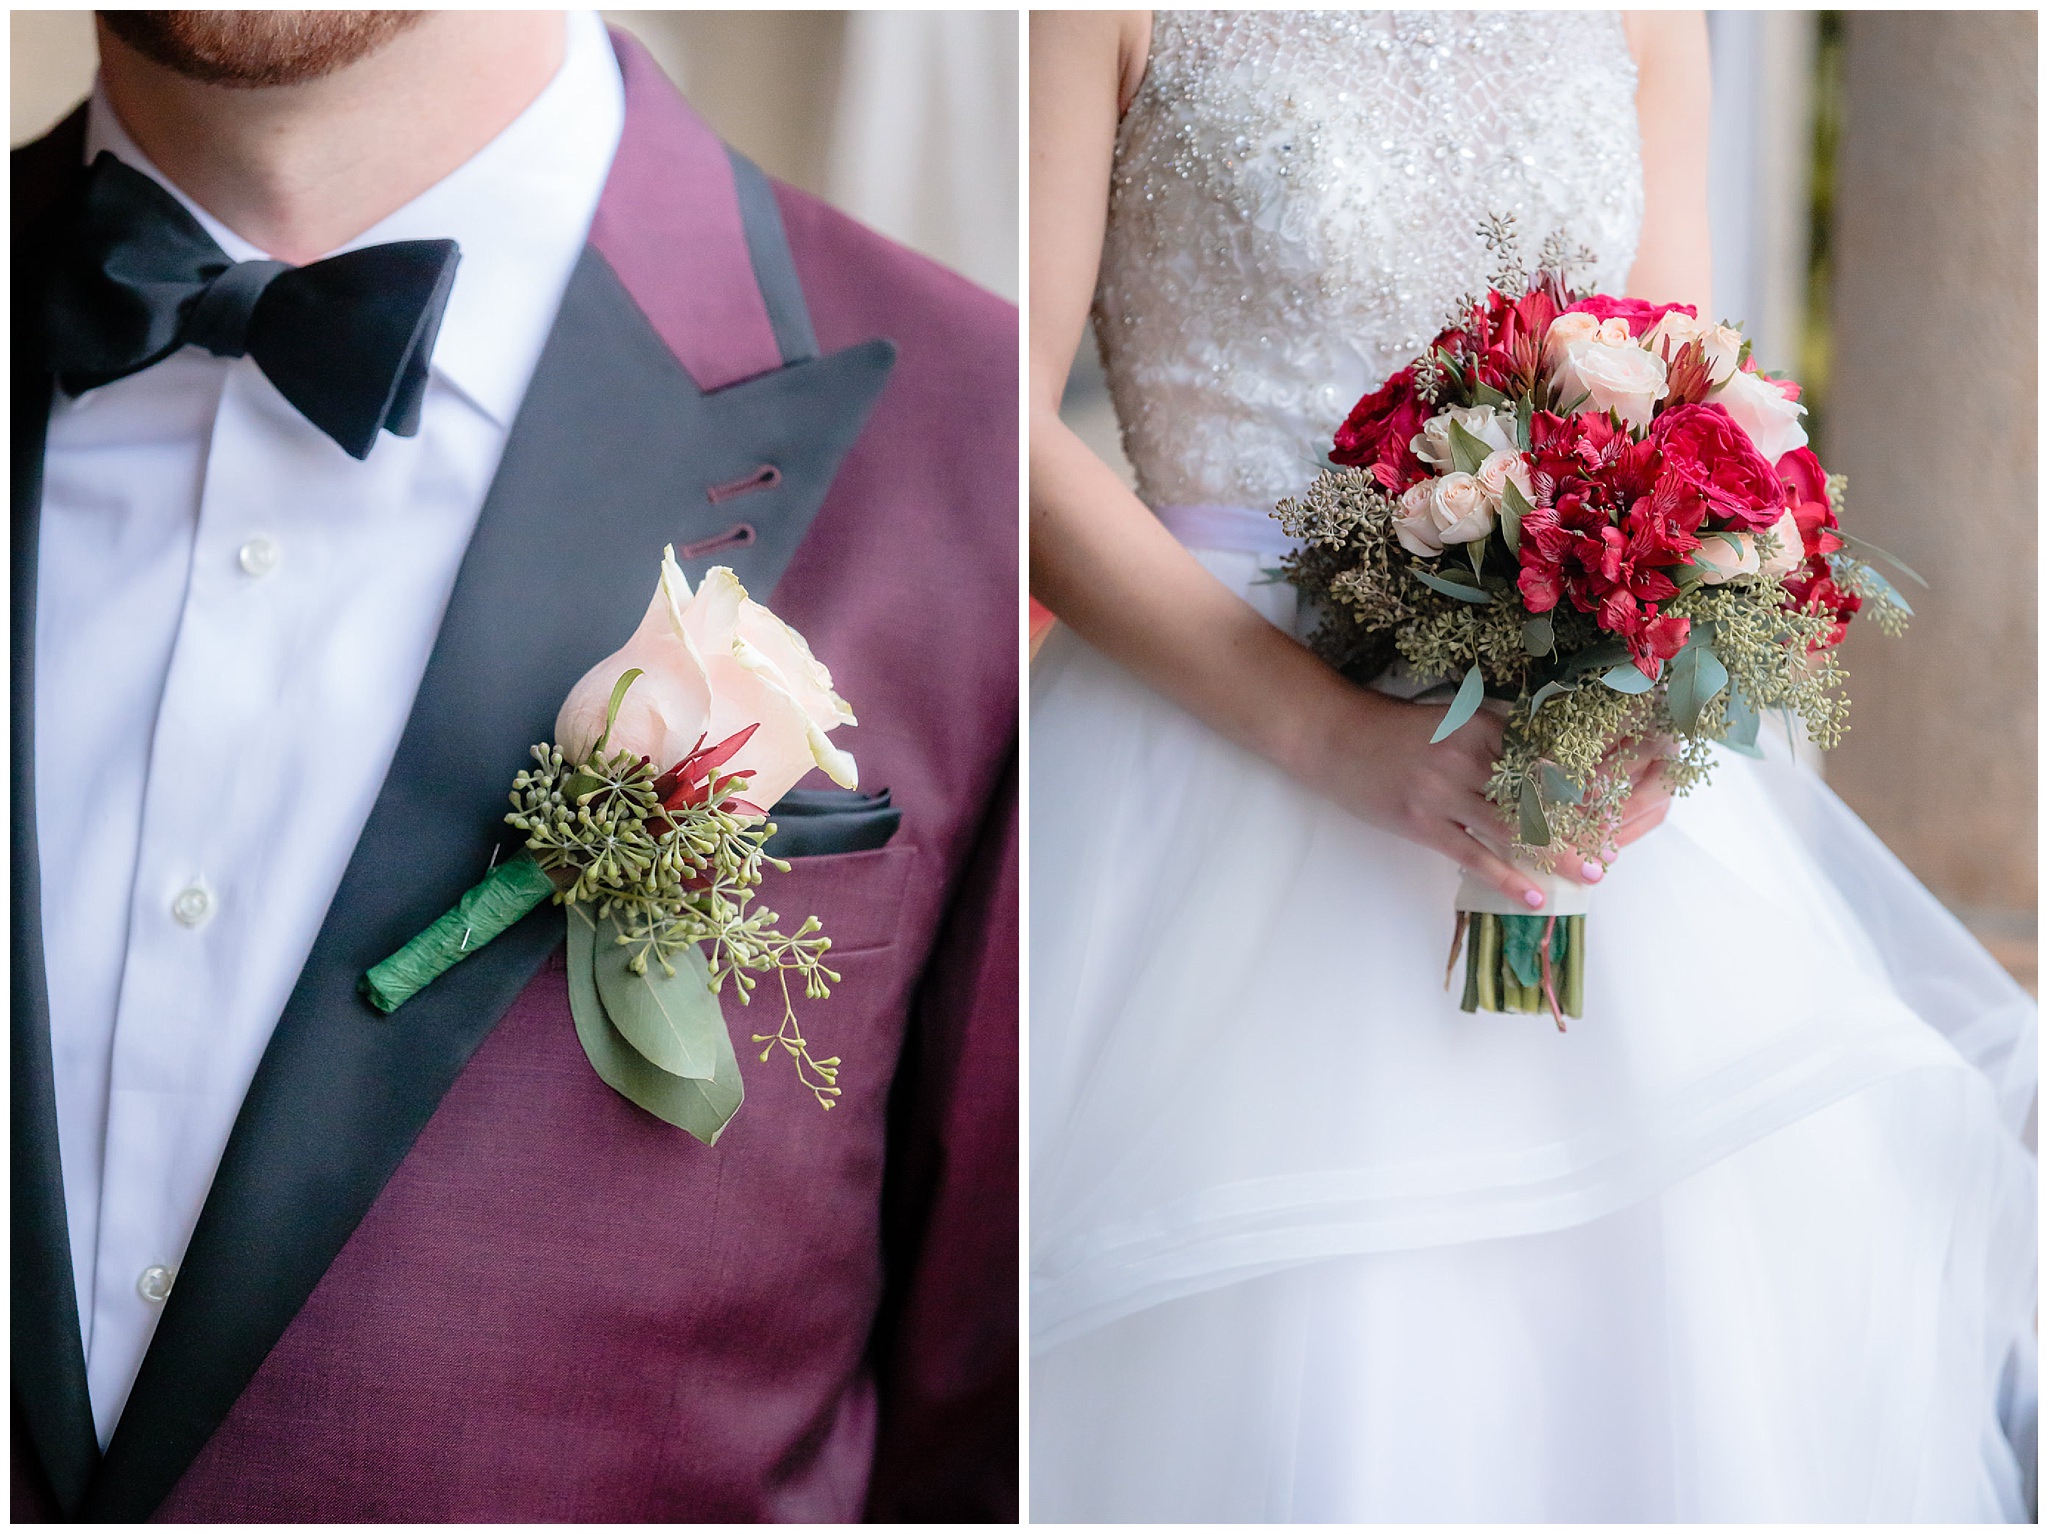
{"x":1761,"y":409}
{"x":1671,"y":332}
{"x":713,"y":663}
{"x":1567,"y":331}
{"x":1720,"y":344}
{"x":1459,"y":509}
{"x":1723,"y":346}
{"x":1502,"y":468}
{"x":1791,"y":546}
{"x":1614,"y":331}
{"x":1625,"y":379}
{"x":1412,"y":523}
{"x":1724,"y":556}
{"x":1433,"y":443}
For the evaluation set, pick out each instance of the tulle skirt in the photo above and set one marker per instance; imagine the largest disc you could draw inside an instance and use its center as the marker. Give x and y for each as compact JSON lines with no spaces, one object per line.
{"x":1754,"y":1240}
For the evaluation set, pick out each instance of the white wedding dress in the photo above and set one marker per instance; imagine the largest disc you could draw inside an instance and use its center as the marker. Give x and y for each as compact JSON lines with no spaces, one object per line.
{"x":1754,"y":1240}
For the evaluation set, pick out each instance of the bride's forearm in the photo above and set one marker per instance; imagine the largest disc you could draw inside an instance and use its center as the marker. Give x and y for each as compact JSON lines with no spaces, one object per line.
{"x":1107,"y":567}
{"x":1111,"y":572}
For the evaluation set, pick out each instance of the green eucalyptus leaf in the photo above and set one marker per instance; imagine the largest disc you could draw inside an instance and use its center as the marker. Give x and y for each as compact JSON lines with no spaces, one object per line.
{"x":674,"y":1020}
{"x":1682,"y":696}
{"x":1535,"y":826}
{"x":1521,"y":947}
{"x":1513,"y":507}
{"x":1743,"y":722}
{"x":1559,"y":788}
{"x":1865,"y":546}
{"x":1524,"y":410}
{"x":1876,"y":578}
{"x":1629,"y":679}
{"x":611,"y":712}
{"x":1598,"y":657}
{"x":703,"y":1108}
{"x":1713,"y":674}
{"x":1471,"y":693}
{"x":1467,"y":451}
{"x":1539,"y":637}
{"x":1545,"y":693}
{"x":1450,"y":586}
{"x":1486,"y":394}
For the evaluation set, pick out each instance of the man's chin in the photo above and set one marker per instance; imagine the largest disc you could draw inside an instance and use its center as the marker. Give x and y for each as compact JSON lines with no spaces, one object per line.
{"x":250,"y":49}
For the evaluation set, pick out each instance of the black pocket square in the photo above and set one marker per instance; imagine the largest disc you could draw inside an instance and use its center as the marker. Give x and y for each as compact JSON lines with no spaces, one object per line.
{"x":810,"y":822}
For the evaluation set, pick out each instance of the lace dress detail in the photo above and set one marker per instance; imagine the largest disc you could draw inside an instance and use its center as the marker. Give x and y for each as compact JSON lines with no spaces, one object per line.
{"x":1295,"y":209}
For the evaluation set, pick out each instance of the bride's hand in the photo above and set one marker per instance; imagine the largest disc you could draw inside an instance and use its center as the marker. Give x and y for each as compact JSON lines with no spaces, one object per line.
{"x":1649,"y":797}
{"x":1373,"y":756}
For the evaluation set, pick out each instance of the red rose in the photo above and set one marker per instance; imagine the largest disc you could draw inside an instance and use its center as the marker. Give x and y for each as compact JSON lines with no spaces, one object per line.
{"x":1378,"y":430}
{"x":1710,"y":462}
{"x":1639,"y":314}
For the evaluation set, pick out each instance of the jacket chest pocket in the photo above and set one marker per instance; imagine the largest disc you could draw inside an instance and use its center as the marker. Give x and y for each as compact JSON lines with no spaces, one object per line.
{"x":858,"y":896}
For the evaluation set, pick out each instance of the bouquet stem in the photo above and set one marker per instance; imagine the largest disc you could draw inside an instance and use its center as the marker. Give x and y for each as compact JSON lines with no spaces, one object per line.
{"x":504,"y":895}
{"x":1525,"y":964}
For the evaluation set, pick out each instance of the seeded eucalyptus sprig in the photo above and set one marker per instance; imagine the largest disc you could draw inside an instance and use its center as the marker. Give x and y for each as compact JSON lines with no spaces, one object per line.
{"x":664,"y":867}
{"x":1572,"y":692}
{"x":673,"y":877}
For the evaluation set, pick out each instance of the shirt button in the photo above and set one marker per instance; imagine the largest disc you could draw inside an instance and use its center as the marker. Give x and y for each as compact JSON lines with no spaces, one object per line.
{"x":259,"y":556}
{"x":192,"y":907}
{"x":155,"y":1284}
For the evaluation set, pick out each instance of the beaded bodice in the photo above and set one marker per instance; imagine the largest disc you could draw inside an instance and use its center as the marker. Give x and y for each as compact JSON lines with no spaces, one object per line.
{"x":1295,"y":208}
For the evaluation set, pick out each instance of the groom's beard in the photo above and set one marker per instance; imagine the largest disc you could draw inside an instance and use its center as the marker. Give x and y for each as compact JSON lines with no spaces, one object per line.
{"x":257,"y":48}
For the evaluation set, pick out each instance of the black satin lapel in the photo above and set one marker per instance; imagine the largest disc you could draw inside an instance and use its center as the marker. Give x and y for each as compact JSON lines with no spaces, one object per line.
{"x":609,"y":460}
{"x":49,"y":1358}
{"x":774,"y":267}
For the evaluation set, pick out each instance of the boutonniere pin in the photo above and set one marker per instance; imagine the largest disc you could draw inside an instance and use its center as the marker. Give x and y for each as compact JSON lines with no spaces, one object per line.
{"x":644,"y":819}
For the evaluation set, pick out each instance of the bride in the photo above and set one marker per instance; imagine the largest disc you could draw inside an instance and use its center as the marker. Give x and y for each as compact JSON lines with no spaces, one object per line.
{"x":1754,"y":1240}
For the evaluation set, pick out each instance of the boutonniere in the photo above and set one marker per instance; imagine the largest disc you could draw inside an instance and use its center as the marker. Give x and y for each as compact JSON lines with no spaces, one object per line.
{"x":644,"y":820}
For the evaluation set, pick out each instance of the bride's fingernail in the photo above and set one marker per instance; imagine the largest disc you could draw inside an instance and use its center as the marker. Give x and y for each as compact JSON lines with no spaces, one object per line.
{"x":1533,"y":898}
{"x":1594,"y":872}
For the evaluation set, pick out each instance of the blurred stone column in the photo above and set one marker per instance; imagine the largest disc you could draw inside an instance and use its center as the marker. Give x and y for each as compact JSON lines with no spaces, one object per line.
{"x":1932,"y":413}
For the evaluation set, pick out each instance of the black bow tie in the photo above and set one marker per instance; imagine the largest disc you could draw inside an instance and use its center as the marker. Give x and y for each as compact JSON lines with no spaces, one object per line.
{"x":346,"y":340}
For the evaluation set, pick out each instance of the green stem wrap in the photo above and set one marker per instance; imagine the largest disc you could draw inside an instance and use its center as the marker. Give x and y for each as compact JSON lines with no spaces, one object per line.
{"x":504,"y":895}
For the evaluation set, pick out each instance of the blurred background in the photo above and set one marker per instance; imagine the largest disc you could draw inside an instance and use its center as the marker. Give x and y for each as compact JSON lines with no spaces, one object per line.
{"x":1873,"y":195}
{"x":905,"y":119}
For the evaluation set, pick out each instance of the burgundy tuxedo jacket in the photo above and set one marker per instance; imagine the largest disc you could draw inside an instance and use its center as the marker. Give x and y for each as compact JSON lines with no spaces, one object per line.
{"x":444,"y":1272}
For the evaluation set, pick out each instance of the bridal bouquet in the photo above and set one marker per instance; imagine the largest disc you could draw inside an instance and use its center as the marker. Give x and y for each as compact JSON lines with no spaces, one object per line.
{"x":1597,"y":513}
{"x":644,"y":819}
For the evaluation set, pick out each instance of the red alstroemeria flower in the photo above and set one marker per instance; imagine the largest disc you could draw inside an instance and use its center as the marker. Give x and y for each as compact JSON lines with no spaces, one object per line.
{"x":1813,"y":587}
{"x":1607,"y":536}
{"x":1806,"y":492}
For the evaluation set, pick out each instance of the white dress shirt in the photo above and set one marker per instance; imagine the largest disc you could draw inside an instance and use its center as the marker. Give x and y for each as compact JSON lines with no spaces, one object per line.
{"x":232,"y":618}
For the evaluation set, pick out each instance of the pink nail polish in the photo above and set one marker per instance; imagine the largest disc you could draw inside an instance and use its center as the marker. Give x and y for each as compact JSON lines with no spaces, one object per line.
{"x":1533,"y":898}
{"x":1595,"y":872}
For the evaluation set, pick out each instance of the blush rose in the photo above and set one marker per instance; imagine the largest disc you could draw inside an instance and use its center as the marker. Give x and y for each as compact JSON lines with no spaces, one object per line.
{"x":712,"y":663}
